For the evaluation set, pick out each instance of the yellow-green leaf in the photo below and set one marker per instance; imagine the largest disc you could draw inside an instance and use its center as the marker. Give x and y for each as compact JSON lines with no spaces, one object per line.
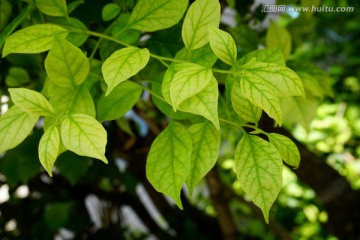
{"x":203,"y":56}
{"x":278,"y":36}
{"x":287,"y":149}
{"x":153,"y":15}
{"x":34,"y":39}
{"x":123,"y":64}
{"x":258,"y":166}
{"x":243,"y":107}
{"x":49,"y":148}
{"x":206,"y":143}
{"x":31,"y":101}
{"x":223,"y":45}
{"x":66,"y":65}
{"x":201,"y":15}
{"x":15,"y":126}
{"x":110,"y":11}
{"x":188,"y":82}
{"x":118,"y":102}
{"x":168,"y":163}
{"x":84,"y":136}
{"x":265,"y":55}
{"x":55,"y":8}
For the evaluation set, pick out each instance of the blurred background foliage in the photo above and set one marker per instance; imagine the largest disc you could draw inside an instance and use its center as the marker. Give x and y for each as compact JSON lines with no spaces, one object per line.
{"x":88,"y":200}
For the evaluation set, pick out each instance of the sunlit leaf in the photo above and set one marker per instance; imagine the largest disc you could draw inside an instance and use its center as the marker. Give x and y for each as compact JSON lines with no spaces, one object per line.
{"x":153,"y":15}
{"x":15,"y":126}
{"x":223,"y":45}
{"x":168,"y":163}
{"x":258,"y":166}
{"x":123,"y":64}
{"x":84,"y":136}
{"x":203,"y":56}
{"x":206,"y":143}
{"x":31,"y":101}
{"x":201,"y":15}
{"x":49,"y":148}
{"x":66,"y":64}
{"x":287,"y":149}
{"x":34,"y":39}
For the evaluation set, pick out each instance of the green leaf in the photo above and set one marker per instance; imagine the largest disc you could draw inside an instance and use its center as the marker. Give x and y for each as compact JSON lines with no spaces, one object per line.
{"x":168,"y":163}
{"x":206,"y":143}
{"x":203,"y":56}
{"x":278,"y":36}
{"x":55,"y":8}
{"x":17,"y":77}
{"x":188,"y":82}
{"x":201,"y":15}
{"x":5,"y":12}
{"x":121,"y":32}
{"x":34,"y":39}
{"x":243,"y":107}
{"x":72,"y":172}
{"x":15,"y":126}
{"x":262,"y":83}
{"x":287,"y":149}
{"x":84,"y":136}
{"x":258,"y":166}
{"x":123,"y":64}
{"x":110,"y":11}
{"x":299,"y":110}
{"x":31,"y":101}
{"x":49,"y":148}
{"x":265,"y":55}
{"x":56,"y":215}
{"x":204,"y":103}
{"x":153,"y":15}
{"x":66,"y":64}
{"x":223,"y":45}
{"x":118,"y":102}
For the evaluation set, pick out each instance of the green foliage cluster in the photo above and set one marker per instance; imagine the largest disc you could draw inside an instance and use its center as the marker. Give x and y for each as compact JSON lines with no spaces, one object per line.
{"x":203,"y":86}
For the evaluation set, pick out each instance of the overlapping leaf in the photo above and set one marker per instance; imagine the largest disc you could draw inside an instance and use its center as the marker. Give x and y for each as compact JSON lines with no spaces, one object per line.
{"x":34,"y":39}
{"x":203,"y":56}
{"x":265,"y":55}
{"x":287,"y":149}
{"x":258,"y":166}
{"x":223,"y":45}
{"x":49,"y":148}
{"x":31,"y":101}
{"x":243,"y":107}
{"x":118,"y":102}
{"x":66,"y":65}
{"x":84,"y":136}
{"x":278,"y":36}
{"x":55,"y":8}
{"x":168,"y":163}
{"x":206,"y":143}
{"x":201,"y":15}
{"x":15,"y":126}
{"x":188,"y":82}
{"x":153,"y":15}
{"x":123,"y":64}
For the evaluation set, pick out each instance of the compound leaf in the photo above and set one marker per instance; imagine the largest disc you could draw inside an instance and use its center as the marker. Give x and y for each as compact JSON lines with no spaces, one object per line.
{"x":55,"y":8}
{"x":201,"y":15}
{"x":223,"y":45}
{"x":15,"y":126}
{"x":206,"y":143}
{"x":49,"y":148}
{"x":34,"y":39}
{"x":258,"y":166}
{"x":84,"y":136}
{"x":66,"y":64}
{"x":153,"y":15}
{"x":123,"y":64}
{"x":287,"y":149}
{"x":31,"y":101}
{"x":168,"y":163}
{"x":118,"y":102}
